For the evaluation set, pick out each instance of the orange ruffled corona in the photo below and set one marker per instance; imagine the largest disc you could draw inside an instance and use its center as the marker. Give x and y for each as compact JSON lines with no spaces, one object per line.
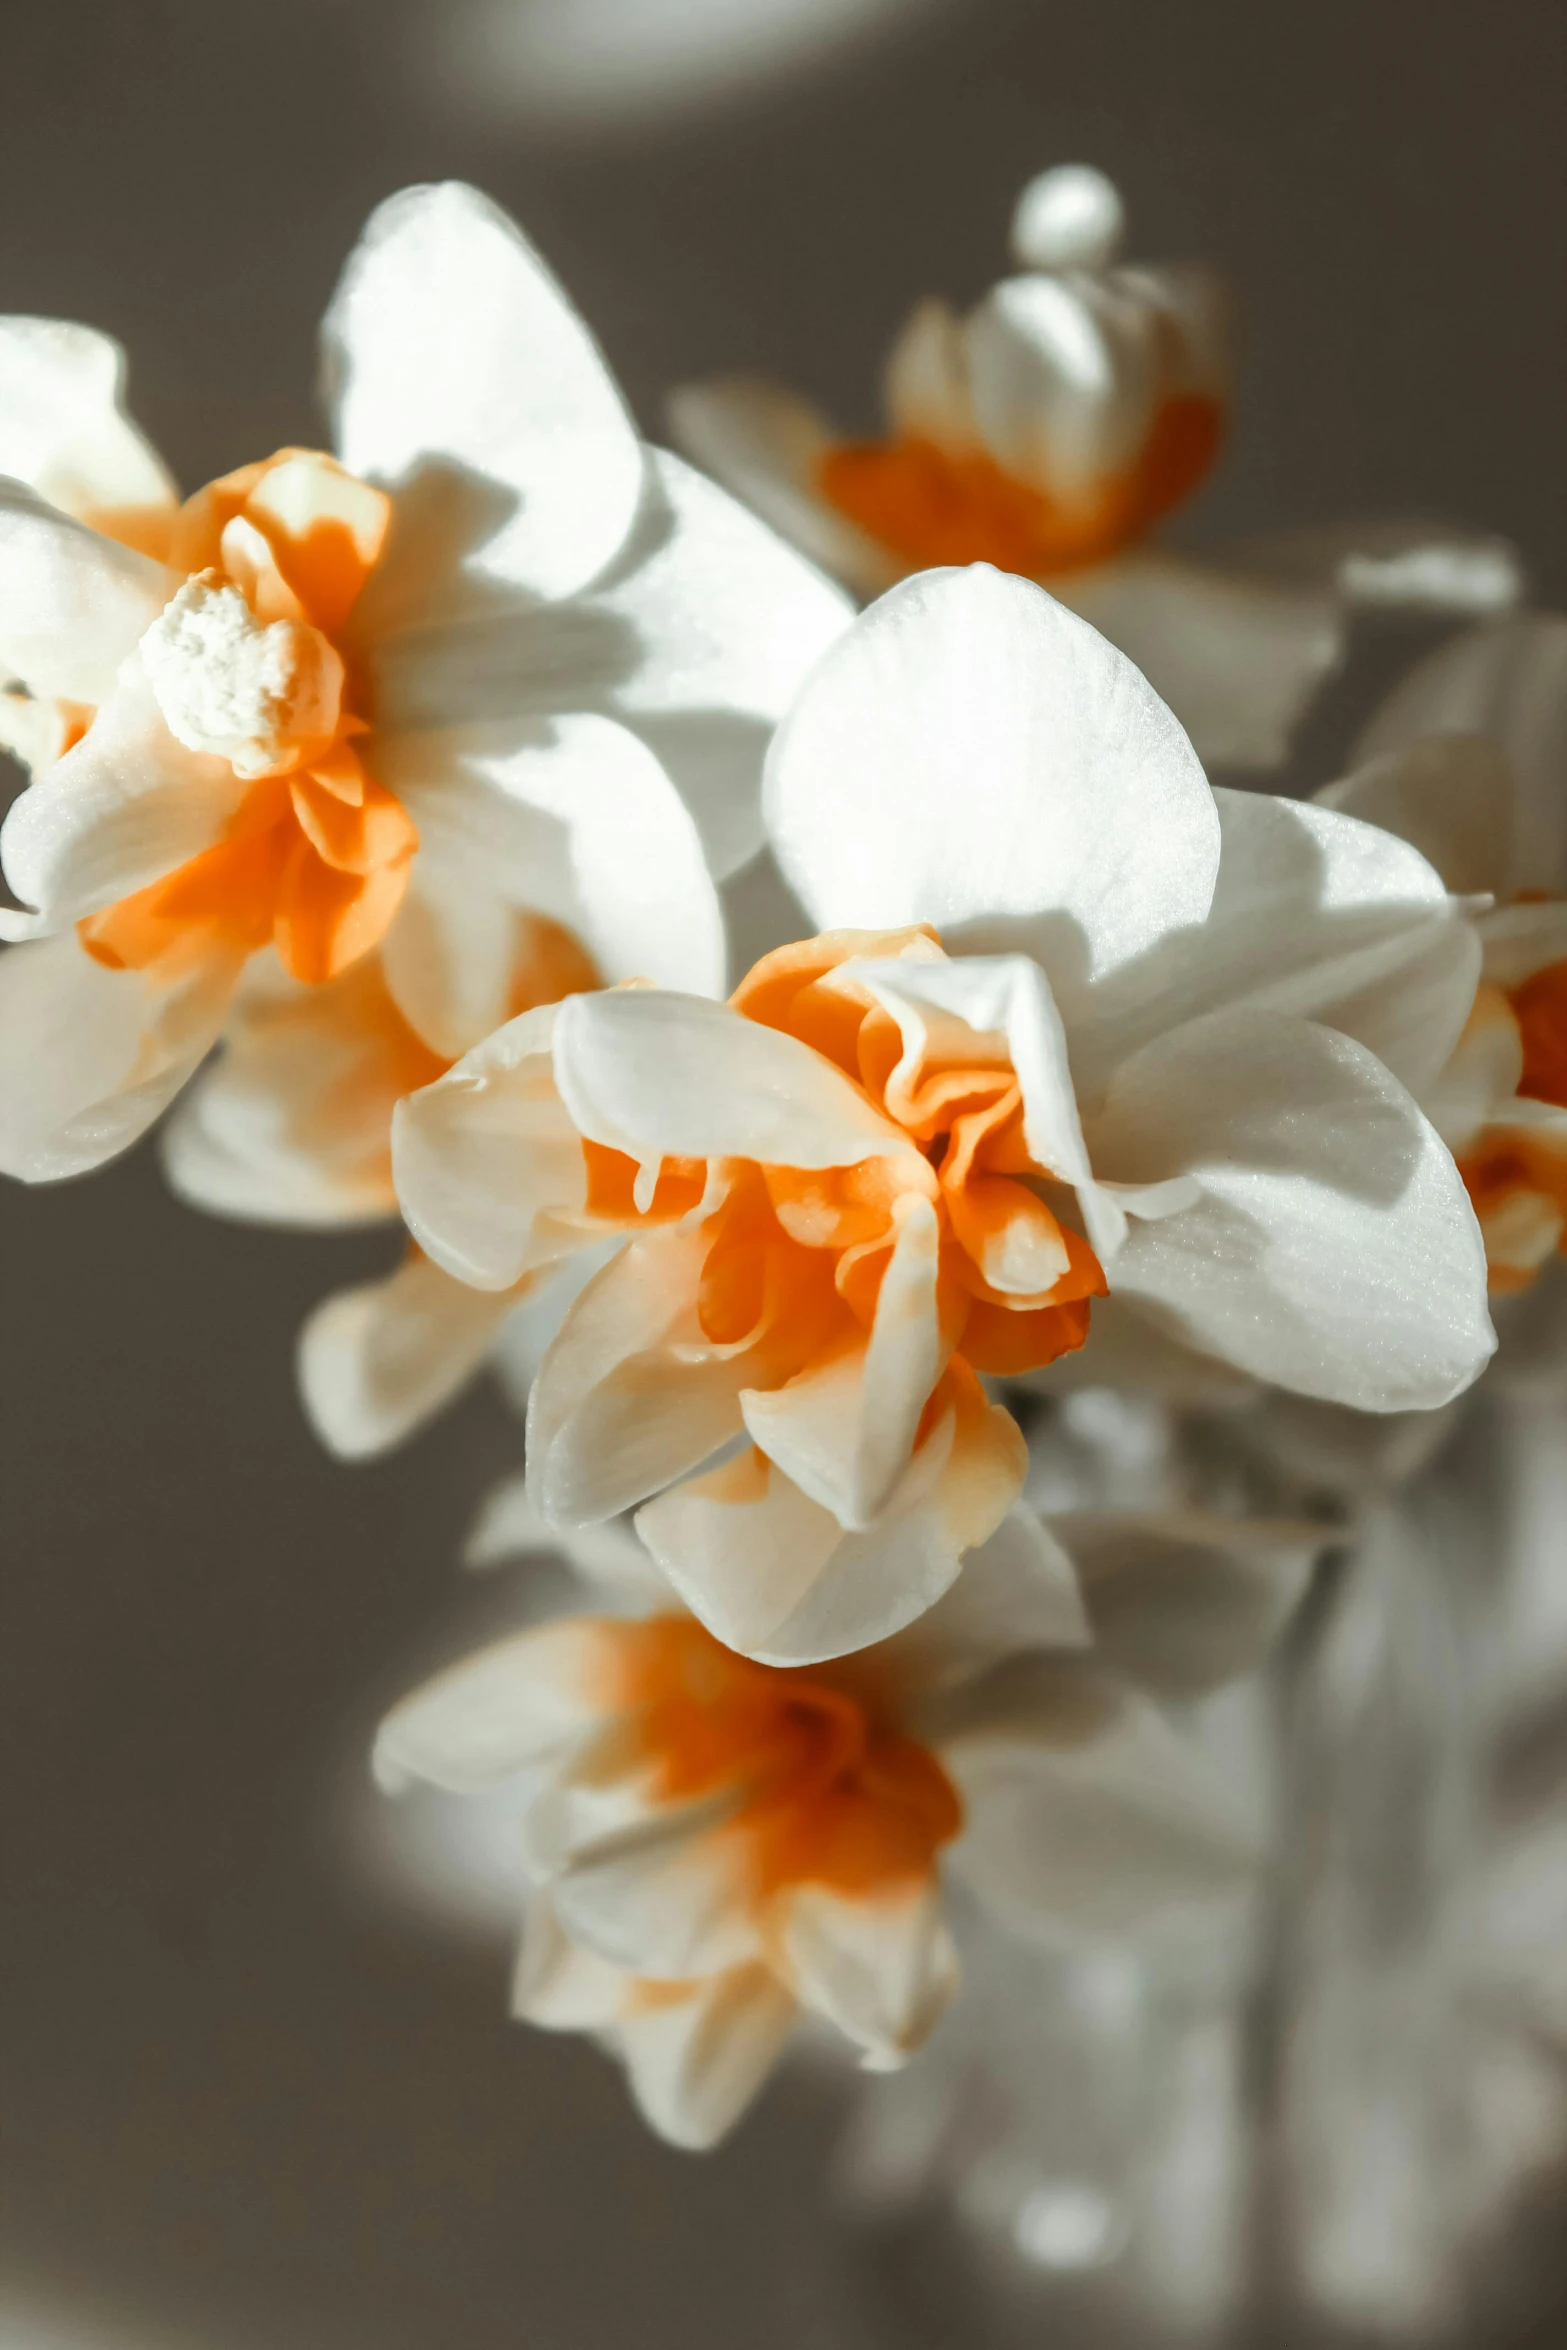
{"x":794,"y":1258}
{"x":315,"y":858}
{"x":932,"y":506}
{"x":826,"y":1787}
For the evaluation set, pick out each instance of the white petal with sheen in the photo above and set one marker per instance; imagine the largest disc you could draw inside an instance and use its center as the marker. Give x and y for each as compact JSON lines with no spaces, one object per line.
{"x":721,"y":622}
{"x":617,"y":1411}
{"x":1333,"y":1249}
{"x":971,"y":752}
{"x":486,"y":1160}
{"x":461,"y":376}
{"x":658,"y":1075}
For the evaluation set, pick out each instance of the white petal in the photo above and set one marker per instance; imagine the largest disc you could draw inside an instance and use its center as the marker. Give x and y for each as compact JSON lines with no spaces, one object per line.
{"x":1084,"y":1812}
{"x":880,"y":1966}
{"x":1065,"y":376}
{"x":120,"y":810}
{"x":580,"y":823}
{"x":63,"y":429}
{"x":1508,"y":681}
{"x":765,"y":446}
{"x":972,"y":750}
{"x":696,"y":2063}
{"x":73,"y":605}
{"x":772,"y":1574}
{"x":485,"y":1159}
{"x":659,"y":1075}
{"x":719,"y":623}
{"x":1396,"y":566}
{"x":526,"y":1700}
{"x":462,"y":379}
{"x":1333,"y":1249}
{"x":376,"y":1362}
{"x":292,"y":1124}
{"x":1412,"y":1020}
{"x":1018,"y":1591}
{"x":1313,"y":912}
{"x":669,"y":1896}
{"x":1182,"y":1601}
{"x":615,"y":1412}
{"x":1448,"y":794}
{"x":1238,"y":660}
{"x":90,"y":1057}
{"x":557,"y":1985}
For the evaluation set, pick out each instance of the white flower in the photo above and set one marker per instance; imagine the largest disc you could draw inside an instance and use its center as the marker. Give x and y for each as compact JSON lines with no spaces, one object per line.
{"x":889,"y":1165}
{"x":496,"y":664}
{"x":715,"y":1847}
{"x":1468,"y":760}
{"x":1049,"y":432}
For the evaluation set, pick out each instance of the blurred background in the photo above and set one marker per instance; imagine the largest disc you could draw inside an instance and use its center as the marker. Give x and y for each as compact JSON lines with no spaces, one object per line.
{"x":245,"y":2100}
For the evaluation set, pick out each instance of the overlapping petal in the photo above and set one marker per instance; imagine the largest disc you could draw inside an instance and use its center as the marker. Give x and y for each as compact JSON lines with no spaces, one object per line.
{"x":1332,"y":1248}
{"x":462,"y":378}
{"x":1099,"y":835}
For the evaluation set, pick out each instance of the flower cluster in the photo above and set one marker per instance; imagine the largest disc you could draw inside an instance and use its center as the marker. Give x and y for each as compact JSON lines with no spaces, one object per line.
{"x":381,"y":809}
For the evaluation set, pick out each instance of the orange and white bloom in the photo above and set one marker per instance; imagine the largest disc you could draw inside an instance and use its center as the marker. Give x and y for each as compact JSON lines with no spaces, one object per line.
{"x":1468,"y":760}
{"x":1072,"y":1045}
{"x":495,"y":663}
{"x":1050,"y":432}
{"x":715,"y":1848}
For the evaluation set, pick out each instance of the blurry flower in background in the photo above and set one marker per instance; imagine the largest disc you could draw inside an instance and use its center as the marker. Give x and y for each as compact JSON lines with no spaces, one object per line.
{"x":1050,"y":432}
{"x":1468,"y":759}
{"x":589,"y":65}
{"x":717,"y":1846}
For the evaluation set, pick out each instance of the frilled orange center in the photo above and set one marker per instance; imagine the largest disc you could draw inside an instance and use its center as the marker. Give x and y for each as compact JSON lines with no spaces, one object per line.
{"x":247,"y":662}
{"x":795,"y":1259}
{"x":1516,"y":1179}
{"x":826,"y":1787}
{"x":929,"y":505}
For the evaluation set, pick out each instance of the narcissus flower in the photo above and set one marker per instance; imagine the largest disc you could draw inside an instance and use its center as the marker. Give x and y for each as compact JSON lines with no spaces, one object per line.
{"x":1468,"y":759}
{"x":1050,"y":432}
{"x":496,"y":661}
{"x":890,"y":1165}
{"x":718,"y":1847}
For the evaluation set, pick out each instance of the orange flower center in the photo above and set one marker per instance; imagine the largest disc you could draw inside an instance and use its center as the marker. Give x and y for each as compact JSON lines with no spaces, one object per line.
{"x":826,"y":1787}
{"x":795,"y":1259}
{"x":248,"y":664}
{"x":929,"y":505}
